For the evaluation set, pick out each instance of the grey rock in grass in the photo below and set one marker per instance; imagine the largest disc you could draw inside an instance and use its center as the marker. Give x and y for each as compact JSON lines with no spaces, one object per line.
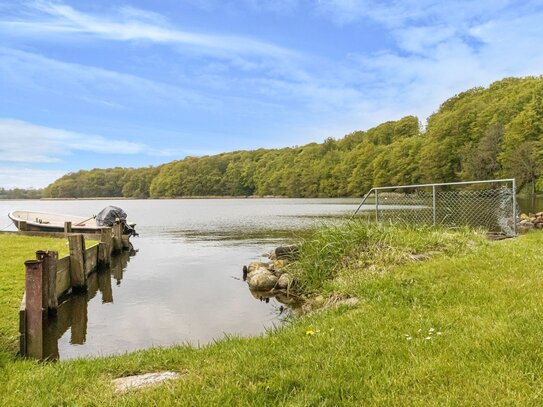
{"x":283,"y":282}
{"x":526,"y":223}
{"x":124,"y":384}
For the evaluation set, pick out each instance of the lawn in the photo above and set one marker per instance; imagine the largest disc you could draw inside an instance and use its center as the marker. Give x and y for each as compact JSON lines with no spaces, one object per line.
{"x":444,"y":318}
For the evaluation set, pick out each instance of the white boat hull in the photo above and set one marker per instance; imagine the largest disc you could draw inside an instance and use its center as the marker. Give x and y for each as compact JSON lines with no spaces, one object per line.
{"x":52,"y":222}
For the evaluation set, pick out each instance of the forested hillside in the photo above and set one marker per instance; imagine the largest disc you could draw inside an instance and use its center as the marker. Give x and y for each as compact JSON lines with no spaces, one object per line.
{"x":478,"y":134}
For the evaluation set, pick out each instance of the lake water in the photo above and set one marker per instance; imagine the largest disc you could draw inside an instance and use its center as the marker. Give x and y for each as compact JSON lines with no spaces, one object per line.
{"x":183,"y":285}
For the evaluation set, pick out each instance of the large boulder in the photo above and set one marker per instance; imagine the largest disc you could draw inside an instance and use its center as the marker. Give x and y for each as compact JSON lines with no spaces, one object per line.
{"x":289,"y":252}
{"x":261,"y":280}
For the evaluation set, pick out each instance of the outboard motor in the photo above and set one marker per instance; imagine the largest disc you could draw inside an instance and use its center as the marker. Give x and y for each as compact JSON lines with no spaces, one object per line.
{"x":110,"y":214}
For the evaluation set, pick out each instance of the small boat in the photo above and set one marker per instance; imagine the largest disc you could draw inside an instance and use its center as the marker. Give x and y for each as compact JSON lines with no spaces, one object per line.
{"x":55,"y":222}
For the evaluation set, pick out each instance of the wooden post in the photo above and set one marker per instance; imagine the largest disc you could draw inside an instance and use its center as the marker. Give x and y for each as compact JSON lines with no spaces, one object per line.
{"x":49,"y":264}
{"x":117,"y":237}
{"x":34,"y":308}
{"x":77,"y":261}
{"x":106,"y":246}
{"x":67,"y":227}
{"x":23,"y":225}
{"x":125,"y":242}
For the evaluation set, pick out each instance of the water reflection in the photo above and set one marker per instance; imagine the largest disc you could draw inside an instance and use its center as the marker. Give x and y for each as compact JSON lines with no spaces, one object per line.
{"x":530,"y":203}
{"x":72,"y":314}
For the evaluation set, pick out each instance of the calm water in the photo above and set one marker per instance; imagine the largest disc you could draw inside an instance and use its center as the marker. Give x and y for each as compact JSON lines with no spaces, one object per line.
{"x":183,"y":285}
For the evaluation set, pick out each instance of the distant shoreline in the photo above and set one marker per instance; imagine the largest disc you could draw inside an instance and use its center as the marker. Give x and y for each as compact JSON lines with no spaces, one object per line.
{"x":174,"y":198}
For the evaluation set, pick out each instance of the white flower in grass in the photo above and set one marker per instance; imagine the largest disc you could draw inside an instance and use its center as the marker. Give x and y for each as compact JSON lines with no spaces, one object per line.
{"x":431,"y":330}
{"x":428,"y":338}
{"x":440,"y":333}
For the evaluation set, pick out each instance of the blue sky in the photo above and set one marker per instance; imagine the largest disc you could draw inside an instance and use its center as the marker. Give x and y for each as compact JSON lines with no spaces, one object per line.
{"x":136,"y":83}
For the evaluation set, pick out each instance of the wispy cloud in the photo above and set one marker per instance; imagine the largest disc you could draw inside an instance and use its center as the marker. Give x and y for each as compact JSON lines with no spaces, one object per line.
{"x":131,"y":24}
{"x":99,"y":86}
{"x":219,"y":92}
{"x":27,"y":177}
{"x":24,"y":142}
{"x":440,"y":48}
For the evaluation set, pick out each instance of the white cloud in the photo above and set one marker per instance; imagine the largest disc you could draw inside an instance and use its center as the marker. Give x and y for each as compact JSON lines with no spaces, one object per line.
{"x":98,"y":86}
{"x":27,"y":177}
{"x":131,"y":24}
{"x":432,"y":51}
{"x":24,"y":142}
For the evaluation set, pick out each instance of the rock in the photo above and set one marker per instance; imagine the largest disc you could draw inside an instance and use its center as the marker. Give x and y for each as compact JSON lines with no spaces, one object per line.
{"x":284,"y":281}
{"x":256,"y":265}
{"x":127,"y":383}
{"x":539,"y":214}
{"x":531,"y":215}
{"x":526,"y":223}
{"x":539,"y":225}
{"x":285,"y":252}
{"x":261,"y":280}
{"x":245,"y":272}
{"x":277,"y":265}
{"x":523,"y":216}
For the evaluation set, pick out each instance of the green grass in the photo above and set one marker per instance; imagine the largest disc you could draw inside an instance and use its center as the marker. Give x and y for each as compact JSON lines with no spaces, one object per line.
{"x":337,"y":259}
{"x":484,"y":298}
{"x":15,"y":251}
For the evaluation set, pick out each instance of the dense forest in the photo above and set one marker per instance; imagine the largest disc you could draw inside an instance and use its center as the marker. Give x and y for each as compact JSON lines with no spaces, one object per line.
{"x":20,"y":193}
{"x":478,"y":134}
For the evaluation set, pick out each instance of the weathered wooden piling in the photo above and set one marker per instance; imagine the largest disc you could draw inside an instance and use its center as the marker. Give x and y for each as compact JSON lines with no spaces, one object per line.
{"x":49,"y":278}
{"x":117,"y":237}
{"x":23,"y":226}
{"x":78,"y":274}
{"x":67,"y":227}
{"x":34,"y":309}
{"x":106,"y":245}
{"x":49,"y":264}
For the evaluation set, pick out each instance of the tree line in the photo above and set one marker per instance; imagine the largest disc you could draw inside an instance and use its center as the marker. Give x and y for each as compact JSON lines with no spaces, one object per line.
{"x":482,"y":133}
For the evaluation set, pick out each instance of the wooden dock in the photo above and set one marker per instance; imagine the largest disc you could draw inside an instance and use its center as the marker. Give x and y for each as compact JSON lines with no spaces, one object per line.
{"x":49,"y":279}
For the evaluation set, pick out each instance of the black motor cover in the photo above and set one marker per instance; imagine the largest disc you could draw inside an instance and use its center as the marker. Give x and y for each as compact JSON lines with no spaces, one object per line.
{"x":110,"y":214}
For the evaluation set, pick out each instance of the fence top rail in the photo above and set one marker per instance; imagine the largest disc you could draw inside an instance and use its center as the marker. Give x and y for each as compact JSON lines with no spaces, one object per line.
{"x":444,"y":184}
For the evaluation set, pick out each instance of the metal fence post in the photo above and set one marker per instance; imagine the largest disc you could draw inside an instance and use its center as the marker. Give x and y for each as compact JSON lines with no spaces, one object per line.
{"x":376,"y":206}
{"x":514,"y":206}
{"x":434,"y":204}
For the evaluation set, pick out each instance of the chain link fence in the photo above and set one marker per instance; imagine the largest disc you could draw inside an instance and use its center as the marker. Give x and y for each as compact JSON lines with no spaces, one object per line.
{"x":487,"y":204}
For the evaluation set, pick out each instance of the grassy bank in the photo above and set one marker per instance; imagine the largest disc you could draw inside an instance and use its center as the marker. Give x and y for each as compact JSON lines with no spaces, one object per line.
{"x":15,"y":251}
{"x":444,"y":318}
